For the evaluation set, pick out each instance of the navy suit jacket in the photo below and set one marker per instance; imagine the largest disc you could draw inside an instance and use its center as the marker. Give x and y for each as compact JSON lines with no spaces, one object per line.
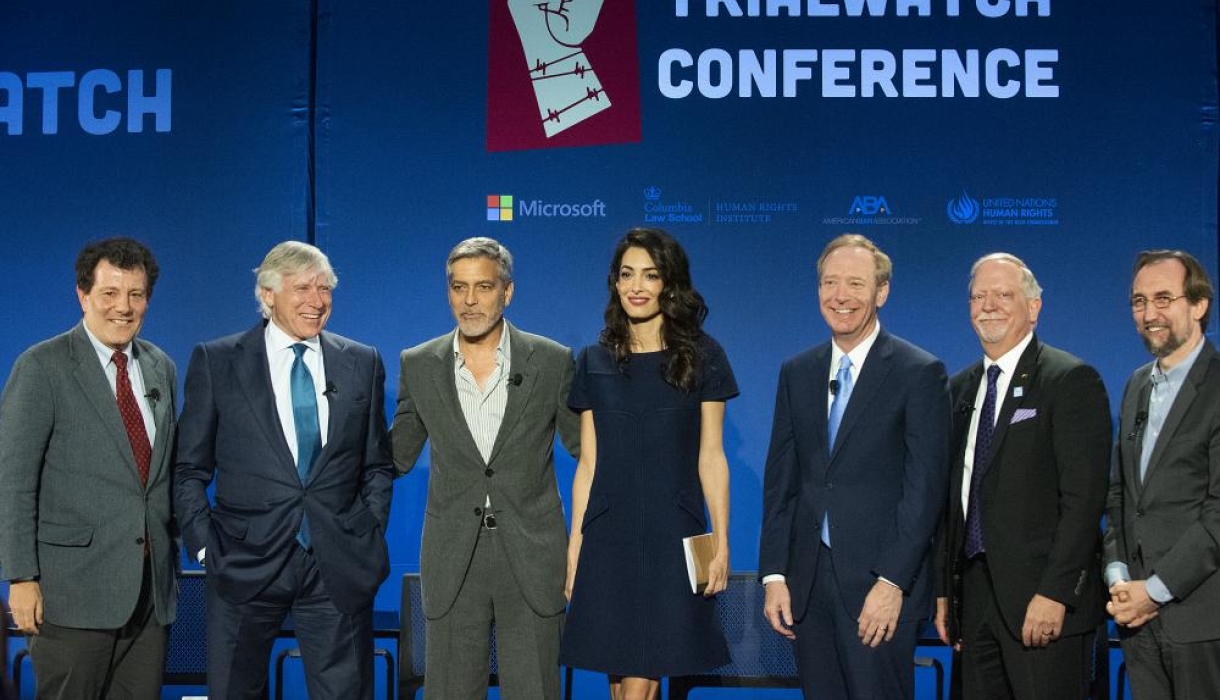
{"x":883,"y":481}
{"x":230,"y":431}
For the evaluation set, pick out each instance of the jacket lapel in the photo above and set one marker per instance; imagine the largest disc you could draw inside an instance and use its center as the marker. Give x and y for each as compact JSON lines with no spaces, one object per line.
{"x":253,"y":374}
{"x":340,"y":370}
{"x":446,"y":388}
{"x":156,"y":384}
{"x":963,"y":413}
{"x":808,"y":402}
{"x":1134,"y":428}
{"x":522,"y":363}
{"x":96,"y":389}
{"x":1181,"y":404}
{"x":873,"y":374}
{"x":1020,"y":388}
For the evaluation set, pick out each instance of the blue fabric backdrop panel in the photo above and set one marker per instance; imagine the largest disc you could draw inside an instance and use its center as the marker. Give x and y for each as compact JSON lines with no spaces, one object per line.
{"x":1121,"y":157}
{"x":206,"y":159}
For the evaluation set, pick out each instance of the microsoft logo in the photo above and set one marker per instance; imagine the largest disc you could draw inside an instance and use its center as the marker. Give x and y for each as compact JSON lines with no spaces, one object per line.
{"x":499,"y":207}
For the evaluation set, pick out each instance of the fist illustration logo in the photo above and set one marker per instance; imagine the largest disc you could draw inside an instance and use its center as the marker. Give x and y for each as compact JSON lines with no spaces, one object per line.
{"x":565,"y":85}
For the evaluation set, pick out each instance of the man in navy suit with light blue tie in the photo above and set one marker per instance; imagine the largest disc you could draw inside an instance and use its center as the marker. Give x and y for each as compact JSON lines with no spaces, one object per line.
{"x":855,"y":481}
{"x":290,"y":422}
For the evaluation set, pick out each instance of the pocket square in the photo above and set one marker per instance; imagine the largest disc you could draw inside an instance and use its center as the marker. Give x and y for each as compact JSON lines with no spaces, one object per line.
{"x":1023,"y":414}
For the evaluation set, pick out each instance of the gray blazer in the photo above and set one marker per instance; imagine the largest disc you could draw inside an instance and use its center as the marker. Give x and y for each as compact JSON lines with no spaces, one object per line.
{"x":520,"y":476}
{"x":72,"y":512}
{"x":1169,"y":525}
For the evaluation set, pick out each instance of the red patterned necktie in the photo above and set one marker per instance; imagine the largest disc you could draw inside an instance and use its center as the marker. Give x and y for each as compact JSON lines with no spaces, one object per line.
{"x":132,"y":418}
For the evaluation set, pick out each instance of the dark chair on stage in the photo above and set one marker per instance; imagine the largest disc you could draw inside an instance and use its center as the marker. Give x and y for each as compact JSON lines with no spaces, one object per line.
{"x":186,"y":658}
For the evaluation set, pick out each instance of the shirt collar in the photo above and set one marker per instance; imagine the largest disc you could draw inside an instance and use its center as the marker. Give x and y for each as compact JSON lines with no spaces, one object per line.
{"x":103,"y":350}
{"x":1179,"y":371}
{"x":1008,"y":361}
{"x":503,"y":349}
{"x":278,"y":340}
{"x":857,"y":354}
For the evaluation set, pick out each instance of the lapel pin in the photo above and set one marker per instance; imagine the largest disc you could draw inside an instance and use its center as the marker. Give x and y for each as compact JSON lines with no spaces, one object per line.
{"x":1018,"y":392}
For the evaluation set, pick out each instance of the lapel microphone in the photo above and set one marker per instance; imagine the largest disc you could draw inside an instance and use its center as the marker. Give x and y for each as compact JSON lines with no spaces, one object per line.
{"x":154,"y":394}
{"x":834,"y":387}
{"x":516,"y":379}
{"x":331,"y":389}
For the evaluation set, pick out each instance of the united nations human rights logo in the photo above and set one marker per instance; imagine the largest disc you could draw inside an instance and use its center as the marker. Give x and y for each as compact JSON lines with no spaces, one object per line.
{"x":964,"y":209}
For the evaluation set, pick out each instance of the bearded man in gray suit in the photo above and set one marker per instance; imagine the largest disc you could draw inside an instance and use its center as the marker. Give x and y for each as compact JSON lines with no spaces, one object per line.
{"x":489,"y":398}
{"x":1163,"y":512}
{"x":86,"y":436}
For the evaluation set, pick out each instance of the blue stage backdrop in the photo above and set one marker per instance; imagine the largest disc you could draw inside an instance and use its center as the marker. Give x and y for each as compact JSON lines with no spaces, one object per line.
{"x":1071,"y":134}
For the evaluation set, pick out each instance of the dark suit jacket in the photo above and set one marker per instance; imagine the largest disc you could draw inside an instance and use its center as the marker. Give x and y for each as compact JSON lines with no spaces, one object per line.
{"x":1170,"y":524}
{"x":520,"y":476}
{"x":229,"y":430}
{"x":883,"y":481}
{"x":72,"y":511}
{"x":1044,"y":491}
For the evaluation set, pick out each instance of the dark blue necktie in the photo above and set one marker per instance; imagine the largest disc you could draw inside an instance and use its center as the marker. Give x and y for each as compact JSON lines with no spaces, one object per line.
{"x":305,"y":416}
{"x":838,"y":406}
{"x":982,"y":442}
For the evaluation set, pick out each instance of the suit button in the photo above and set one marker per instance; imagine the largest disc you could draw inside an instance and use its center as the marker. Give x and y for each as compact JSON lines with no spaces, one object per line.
{"x":478,"y":511}
{"x":139,"y":540}
{"x":489,"y":471}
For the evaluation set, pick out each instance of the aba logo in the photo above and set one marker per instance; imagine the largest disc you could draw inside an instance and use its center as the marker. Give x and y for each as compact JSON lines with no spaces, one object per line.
{"x":963,"y":210}
{"x":868,"y":205}
{"x":562,"y":73}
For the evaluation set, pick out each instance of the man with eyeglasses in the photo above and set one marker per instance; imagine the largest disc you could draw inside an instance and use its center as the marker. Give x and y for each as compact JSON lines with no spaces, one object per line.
{"x":1163,"y":513}
{"x":1021,"y":591}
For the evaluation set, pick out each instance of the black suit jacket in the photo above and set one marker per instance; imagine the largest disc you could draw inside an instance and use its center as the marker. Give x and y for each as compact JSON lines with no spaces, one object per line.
{"x":1044,"y":490}
{"x":1169,"y":524}
{"x":229,"y":430}
{"x":883,"y":480}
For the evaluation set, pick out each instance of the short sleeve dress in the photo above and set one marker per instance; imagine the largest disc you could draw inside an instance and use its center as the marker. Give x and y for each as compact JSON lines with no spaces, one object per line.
{"x":632,"y":612}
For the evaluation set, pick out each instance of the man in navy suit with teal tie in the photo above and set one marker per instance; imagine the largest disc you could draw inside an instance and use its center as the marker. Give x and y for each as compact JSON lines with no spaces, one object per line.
{"x":854,"y":487}
{"x":290,"y":422}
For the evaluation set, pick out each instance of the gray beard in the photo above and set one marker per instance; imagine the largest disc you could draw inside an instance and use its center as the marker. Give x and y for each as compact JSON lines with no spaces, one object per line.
{"x":1172,"y":343}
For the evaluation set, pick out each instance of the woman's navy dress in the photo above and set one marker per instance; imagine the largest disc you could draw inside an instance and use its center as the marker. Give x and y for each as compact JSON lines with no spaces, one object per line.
{"x":632,"y":611}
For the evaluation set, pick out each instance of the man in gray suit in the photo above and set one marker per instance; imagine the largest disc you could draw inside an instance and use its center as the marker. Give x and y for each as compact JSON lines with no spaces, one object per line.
{"x":86,"y":436}
{"x":1163,"y":519}
{"x":489,"y":398}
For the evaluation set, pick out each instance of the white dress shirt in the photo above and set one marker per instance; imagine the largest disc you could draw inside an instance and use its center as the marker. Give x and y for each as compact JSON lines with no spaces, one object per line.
{"x":1008,"y":367}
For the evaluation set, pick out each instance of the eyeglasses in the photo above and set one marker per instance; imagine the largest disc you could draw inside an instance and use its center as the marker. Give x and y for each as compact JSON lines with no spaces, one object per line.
{"x":1160,"y":301}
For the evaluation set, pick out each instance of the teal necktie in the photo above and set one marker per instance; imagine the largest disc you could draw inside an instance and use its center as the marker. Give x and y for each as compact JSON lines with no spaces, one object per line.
{"x":305,"y":416}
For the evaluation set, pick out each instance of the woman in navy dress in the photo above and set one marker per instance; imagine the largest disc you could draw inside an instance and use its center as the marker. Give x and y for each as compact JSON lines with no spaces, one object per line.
{"x":651,"y":395}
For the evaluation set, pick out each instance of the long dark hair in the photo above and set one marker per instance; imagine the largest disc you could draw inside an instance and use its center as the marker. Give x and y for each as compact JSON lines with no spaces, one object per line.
{"x":682,"y":306}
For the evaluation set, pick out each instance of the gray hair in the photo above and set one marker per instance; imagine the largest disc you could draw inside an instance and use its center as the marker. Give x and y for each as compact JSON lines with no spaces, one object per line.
{"x":482,"y":247}
{"x":1029,"y":283}
{"x":289,"y":258}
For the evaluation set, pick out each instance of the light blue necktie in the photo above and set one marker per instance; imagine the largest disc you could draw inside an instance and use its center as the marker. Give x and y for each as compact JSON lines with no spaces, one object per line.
{"x":305,"y":416}
{"x":837,"y":407}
